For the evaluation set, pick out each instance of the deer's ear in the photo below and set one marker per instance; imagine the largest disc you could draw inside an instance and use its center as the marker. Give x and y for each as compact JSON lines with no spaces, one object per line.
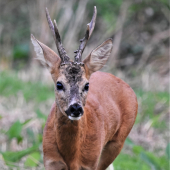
{"x":45,"y":55}
{"x":98,"y":57}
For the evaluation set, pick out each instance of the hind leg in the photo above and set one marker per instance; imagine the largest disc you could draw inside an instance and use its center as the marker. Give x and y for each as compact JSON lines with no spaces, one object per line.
{"x":109,"y":153}
{"x":113,"y":147}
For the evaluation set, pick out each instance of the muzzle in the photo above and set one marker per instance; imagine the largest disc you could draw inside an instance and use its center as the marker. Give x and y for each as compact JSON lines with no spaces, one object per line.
{"x":74,"y":112}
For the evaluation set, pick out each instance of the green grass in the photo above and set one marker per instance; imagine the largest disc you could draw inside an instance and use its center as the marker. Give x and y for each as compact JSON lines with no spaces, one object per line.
{"x":142,"y":161}
{"x":10,"y":85}
{"x":149,"y":101}
{"x":129,"y":162}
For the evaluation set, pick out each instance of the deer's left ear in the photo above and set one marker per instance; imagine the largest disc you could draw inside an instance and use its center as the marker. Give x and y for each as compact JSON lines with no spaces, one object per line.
{"x":98,"y":57}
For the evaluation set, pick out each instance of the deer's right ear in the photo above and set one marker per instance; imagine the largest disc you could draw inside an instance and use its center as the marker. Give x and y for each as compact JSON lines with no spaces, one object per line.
{"x":45,"y":55}
{"x":98,"y":57}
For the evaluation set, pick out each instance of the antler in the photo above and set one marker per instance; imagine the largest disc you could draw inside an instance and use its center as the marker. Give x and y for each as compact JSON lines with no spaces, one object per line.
{"x":90,"y":28}
{"x":62,"y":52}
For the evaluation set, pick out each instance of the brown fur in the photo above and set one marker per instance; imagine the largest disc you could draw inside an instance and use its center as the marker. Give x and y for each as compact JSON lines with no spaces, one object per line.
{"x":110,"y":113}
{"x":110,"y":109}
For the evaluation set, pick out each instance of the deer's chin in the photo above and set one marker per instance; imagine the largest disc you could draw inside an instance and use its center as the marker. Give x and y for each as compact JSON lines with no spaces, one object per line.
{"x":74,"y":118}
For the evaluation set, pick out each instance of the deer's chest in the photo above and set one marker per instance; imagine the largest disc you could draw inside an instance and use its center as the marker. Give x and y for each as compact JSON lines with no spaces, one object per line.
{"x":79,"y":152}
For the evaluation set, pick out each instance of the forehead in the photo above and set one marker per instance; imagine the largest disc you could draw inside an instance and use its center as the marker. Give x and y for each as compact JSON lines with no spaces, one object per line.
{"x":72,"y":73}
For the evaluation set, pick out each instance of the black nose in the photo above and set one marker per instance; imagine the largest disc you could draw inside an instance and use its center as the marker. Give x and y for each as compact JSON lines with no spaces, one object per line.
{"x":75,"y":110}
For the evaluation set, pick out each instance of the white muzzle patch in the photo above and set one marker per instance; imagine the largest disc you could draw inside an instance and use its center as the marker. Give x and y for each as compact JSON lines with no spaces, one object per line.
{"x":74,"y":118}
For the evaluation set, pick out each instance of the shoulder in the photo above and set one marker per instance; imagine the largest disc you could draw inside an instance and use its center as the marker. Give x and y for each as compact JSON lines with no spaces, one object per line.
{"x":109,"y":80}
{"x":107,"y":84}
{"x":103,"y":76}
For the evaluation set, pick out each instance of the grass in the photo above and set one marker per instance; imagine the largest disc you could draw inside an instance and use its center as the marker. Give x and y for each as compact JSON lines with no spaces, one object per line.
{"x":153,"y":107}
{"x":10,"y":85}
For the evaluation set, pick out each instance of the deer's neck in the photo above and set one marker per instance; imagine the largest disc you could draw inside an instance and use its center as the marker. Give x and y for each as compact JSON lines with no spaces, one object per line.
{"x":69,"y":135}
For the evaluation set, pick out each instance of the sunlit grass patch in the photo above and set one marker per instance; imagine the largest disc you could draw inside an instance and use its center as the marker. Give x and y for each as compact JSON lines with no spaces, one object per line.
{"x":143,"y":161}
{"x":129,"y":162}
{"x":10,"y":85}
{"x":153,"y":106}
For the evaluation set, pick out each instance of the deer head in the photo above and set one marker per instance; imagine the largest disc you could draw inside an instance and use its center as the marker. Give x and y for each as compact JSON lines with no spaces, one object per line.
{"x":71,"y":78}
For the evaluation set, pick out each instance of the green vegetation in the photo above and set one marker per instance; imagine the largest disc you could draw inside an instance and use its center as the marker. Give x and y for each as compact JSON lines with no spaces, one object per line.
{"x":137,"y":158}
{"x":140,"y":159}
{"x":154,"y":104}
{"x":10,"y":85}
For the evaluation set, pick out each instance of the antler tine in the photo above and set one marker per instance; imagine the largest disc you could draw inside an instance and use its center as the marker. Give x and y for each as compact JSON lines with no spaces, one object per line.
{"x":62,"y":53}
{"x":60,"y":47}
{"x":90,"y":28}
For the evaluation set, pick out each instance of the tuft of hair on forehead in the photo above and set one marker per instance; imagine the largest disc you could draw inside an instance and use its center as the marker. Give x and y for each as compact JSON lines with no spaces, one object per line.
{"x":74,"y":69}
{"x":73,"y":73}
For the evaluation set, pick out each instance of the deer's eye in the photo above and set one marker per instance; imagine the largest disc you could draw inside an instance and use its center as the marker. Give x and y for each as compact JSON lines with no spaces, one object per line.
{"x":60,"y":86}
{"x":86,"y":87}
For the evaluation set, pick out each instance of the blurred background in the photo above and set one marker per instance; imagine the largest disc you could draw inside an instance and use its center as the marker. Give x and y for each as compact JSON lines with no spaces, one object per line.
{"x":140,"y":57}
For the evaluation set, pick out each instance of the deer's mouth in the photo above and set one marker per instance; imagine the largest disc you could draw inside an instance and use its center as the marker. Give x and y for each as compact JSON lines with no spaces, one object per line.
{"x":74,"y":118}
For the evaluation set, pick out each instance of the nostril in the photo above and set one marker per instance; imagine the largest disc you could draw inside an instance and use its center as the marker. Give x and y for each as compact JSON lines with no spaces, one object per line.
{"x":72,"y":109}
{"x":80,"y":110}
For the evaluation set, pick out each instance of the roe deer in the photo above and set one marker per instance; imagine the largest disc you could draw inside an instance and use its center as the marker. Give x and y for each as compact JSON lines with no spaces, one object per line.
{"x":93,"y":111}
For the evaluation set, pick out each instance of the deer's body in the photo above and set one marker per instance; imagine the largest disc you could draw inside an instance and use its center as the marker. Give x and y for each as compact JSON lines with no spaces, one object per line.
{"x":110,"y":113}
{"x":93,"y":111}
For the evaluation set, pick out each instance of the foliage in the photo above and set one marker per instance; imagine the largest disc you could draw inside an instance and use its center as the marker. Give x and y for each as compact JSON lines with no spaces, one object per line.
{"x":150,"y":100}
{"x":168,"y":150}
{"x":33,"y":159}
{"x":16,"y":156}
{"x":108,"y":9}
{"x":15,"y":131}
{"x":29,"y":89}
{"x":20,"y":55}
{"x":140,"y":159}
